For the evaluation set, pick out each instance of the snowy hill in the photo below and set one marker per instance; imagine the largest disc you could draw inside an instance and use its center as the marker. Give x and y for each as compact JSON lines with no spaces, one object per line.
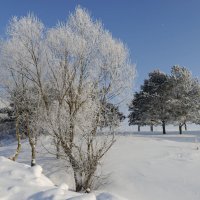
{"x":20,"y":181}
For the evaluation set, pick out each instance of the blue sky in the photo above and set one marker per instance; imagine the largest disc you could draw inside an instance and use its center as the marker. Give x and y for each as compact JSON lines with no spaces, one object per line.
{"x":159,"y":33}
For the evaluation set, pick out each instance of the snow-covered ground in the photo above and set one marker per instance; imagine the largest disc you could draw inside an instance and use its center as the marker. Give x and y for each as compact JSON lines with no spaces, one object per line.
{"x":20,"y":181}
{"x":145,"y":166}
{"x":155,"y":167}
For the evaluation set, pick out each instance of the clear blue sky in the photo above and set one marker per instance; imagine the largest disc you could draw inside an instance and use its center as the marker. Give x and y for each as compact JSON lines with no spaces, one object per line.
{"x":159,"y":33}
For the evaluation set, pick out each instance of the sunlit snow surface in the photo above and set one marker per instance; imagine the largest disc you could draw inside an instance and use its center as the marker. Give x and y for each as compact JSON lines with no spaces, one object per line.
{"x":145,"y":166}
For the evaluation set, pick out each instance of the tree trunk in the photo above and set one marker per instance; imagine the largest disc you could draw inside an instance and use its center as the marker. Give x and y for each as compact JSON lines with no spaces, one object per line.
{"x":57,"y":144}
{"x":32,"y":142}
{"x":87,"y":182}
{"x":33,"y":155}
{"x":33,"y":150}
{"x":74,"y":165}
{"x":78,"y":181}
{"x":180,"y":128}
{"x":138,"y":128}
{"x":57,"y":148}
{"x":151,"y":128}
{"x":163,"y":127}
{"x":15,"y":156}
{"x":185,"y":126}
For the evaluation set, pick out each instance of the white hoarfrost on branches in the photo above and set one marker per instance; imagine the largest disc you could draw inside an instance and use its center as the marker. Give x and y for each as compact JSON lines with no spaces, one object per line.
{"x":185,"y":94}
{"x":76,"y":69}
{"x":21,"y":55}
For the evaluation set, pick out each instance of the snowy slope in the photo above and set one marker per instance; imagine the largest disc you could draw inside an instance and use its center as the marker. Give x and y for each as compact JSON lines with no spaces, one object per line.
{"x":143,"y":166}
{"x":20,"y":181}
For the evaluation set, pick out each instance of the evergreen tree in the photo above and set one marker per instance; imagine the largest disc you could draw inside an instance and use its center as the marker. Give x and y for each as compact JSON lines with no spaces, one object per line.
{"x":185,"y":97}
{"x":139,"y":111}
{"x":151,"y":105}
{"x":110,"y":115}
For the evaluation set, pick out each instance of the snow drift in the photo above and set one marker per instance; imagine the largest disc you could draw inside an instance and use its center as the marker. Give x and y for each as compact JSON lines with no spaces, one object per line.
{"x":20,"y":181}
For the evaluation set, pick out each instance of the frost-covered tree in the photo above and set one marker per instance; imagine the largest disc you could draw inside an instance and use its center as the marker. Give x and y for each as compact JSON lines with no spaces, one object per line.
{"x":22,"y":76}
{"x":73,"y":67}
{"x":158,"y":89}
{"x":165,"y":99}
{"x":151,"y":105}
{"x":185,"y":95}
{"x":23,"y":109}
{"x":87,"y":67}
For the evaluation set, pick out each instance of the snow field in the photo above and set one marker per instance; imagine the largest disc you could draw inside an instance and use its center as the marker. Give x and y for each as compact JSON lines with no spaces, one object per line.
{"x":155,"y":167}
{"x":141,"y":166}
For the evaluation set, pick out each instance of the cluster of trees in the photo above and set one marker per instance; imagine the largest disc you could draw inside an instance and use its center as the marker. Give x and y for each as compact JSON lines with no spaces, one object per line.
{"x":66,"y":82}
{"x":167,"y":99}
